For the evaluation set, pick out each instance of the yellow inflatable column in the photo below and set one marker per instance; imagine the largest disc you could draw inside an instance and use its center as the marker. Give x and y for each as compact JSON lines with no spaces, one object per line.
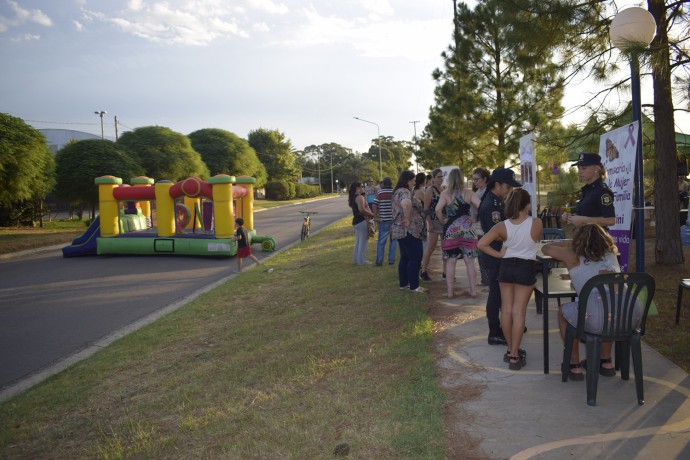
{"x":142,"y":181}
{"x":222,"y":205}
{"x":165,"y":208}
{"x":107,"y":205}
{"x":248,"y":201}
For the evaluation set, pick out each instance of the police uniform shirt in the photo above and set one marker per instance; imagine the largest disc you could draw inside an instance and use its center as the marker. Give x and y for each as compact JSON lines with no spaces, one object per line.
{"x":490,"y":213}
{"x":596,"y":200}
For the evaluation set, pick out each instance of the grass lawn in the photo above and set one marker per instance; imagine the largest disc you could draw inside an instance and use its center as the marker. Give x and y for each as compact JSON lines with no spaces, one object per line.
{"x":287,"y":364}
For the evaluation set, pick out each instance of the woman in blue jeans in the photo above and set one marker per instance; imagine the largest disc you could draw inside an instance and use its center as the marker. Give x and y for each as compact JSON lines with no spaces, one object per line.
{"x":360,"y":214}
{"x":409,"y":230}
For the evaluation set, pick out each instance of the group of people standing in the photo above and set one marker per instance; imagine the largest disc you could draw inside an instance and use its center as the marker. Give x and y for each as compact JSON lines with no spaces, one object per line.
{"x":495,"y":225}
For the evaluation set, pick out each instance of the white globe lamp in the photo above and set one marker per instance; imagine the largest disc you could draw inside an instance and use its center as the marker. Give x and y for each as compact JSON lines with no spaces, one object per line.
{"x":631,"y":28}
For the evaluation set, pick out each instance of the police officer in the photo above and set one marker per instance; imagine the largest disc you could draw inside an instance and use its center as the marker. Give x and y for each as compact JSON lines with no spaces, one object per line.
{"x":501,"y":183}
{"x":595,"y":205}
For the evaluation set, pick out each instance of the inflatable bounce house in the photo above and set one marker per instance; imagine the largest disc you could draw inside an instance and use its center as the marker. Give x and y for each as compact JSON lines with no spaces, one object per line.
{"x":189,"y":217}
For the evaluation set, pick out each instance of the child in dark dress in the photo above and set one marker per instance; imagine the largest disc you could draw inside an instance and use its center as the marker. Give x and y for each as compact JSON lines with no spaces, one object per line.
{"x":244,"y":249}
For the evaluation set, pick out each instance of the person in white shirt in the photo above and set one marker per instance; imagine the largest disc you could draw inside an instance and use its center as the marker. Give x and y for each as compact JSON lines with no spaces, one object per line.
{"x":520,"y":234}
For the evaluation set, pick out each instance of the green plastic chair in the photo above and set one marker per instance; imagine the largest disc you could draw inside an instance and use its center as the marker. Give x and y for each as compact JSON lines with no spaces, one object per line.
{"x":617,"y":294}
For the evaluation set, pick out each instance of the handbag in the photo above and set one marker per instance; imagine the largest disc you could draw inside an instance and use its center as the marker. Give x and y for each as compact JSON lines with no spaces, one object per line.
{"x":371,"y":226}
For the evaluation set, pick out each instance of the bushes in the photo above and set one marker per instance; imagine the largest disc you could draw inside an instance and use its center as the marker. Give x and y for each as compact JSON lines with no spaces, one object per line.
{"x":283,"y":190}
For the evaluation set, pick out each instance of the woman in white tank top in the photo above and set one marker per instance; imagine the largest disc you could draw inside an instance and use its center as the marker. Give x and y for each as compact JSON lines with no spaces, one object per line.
{"x":520,"y":234}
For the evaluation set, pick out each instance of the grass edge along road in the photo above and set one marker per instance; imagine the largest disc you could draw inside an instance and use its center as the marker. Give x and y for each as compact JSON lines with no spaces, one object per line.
{"x":288,"y":364}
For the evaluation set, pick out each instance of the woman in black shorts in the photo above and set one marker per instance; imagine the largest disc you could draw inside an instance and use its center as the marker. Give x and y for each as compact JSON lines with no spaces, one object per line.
{"x":520,"y":234}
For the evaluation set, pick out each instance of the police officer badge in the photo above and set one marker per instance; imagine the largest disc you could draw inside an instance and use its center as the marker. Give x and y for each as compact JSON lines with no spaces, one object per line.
{"x":606,"y":200}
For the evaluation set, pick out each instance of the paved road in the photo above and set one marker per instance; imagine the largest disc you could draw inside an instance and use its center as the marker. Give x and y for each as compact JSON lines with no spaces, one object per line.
{"x":52,"y":308}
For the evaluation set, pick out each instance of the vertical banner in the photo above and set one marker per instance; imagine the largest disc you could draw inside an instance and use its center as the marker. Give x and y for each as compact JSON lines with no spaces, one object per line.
{"x":528,"y":169}
{"x":446,"y":170}
{"x":617,"y":150}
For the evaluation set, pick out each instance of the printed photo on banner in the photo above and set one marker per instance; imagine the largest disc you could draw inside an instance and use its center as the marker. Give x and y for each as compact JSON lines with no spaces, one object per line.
{"x":617,"y":150}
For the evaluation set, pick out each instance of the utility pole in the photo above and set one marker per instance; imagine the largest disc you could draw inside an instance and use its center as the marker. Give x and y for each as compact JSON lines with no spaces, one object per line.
{"x":115,"y":128}
{"x":416,"y":146}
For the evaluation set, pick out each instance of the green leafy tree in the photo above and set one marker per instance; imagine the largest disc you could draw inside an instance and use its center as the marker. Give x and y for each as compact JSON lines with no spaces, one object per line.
{"x":580,"y":30}
{"x":275,"y":152}
{"x":164,"y":153}
{"x":27,"y":167}
{"x":80,"y":162}
{"x":395,"y":156}
{"x":498,"y":84}
{"x":321,"y":160}
{"x":668,"y":53}
{"x":27,"y":171}
{"x":226,"y":153}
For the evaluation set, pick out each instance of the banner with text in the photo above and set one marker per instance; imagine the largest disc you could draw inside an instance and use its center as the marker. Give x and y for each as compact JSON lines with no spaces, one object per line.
{"x":617,"y":150}
{"x":528,"y":170}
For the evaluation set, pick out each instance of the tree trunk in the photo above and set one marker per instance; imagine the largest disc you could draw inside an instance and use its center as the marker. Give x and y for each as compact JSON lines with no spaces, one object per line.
{"x":668,"y":248}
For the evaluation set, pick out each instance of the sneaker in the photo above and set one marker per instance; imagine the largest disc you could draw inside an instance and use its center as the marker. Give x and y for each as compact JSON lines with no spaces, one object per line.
{"x":497,"y":340}
{"x":420,"y":290}
{"x":404,"y":287}
{"x":425,"y":276}
{"x":391,"y":263}
{"x":378,"y":264}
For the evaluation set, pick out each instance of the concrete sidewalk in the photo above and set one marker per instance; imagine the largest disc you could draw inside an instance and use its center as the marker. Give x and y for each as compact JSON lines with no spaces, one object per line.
{"x":528,"y":414}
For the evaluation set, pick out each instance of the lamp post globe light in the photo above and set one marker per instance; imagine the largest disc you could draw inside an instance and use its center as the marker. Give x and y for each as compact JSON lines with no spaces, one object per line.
{"x":101,"y":113}
{"x":379,"y":139}
{"x":631,"y":31}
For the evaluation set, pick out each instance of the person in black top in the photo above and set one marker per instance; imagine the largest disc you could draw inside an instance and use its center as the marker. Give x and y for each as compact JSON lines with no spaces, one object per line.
{"x":595,"y":205}
{"x":501,"y":183}
{"x":244,"y":248}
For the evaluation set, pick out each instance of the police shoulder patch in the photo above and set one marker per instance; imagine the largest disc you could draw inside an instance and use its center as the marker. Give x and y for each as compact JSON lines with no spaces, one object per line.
{"x":496,"y":216}
{"x":606,"y":199}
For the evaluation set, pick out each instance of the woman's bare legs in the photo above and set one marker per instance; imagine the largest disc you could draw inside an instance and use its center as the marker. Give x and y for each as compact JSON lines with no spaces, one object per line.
{"x":521,"y":296}
{"x":450,"y":275}
{"x":507,"y":313}
{"x":606,"y":347}
{"x":471,"y":274}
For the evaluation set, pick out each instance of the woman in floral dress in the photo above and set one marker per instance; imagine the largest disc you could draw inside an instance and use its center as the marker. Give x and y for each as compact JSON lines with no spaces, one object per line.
{"x":459,"y":240}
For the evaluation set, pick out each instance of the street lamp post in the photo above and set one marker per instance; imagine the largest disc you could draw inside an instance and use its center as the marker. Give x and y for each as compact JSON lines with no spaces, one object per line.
{"x":101,"y":113}
{"x":631,"y":31}
{"x":379,"y":139}
{"x":416,"y":145}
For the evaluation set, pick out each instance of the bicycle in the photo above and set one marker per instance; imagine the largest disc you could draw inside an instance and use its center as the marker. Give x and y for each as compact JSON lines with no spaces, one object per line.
{"x":306,"y":225}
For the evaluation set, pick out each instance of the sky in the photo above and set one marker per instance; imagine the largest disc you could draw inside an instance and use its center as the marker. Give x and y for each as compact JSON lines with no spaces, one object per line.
{"x":303,"y":68}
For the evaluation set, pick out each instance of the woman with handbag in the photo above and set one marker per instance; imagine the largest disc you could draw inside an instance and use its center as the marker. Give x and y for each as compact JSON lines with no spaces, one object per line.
{"x":459,"y":240}
{"x":360,"y":214}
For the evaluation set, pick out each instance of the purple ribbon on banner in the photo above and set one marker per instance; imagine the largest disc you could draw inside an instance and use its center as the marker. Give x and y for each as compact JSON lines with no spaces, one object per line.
{"x":631,"y":138}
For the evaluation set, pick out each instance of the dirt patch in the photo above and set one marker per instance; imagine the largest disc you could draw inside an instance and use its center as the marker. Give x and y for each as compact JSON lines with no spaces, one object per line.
{"x":454,"y":378}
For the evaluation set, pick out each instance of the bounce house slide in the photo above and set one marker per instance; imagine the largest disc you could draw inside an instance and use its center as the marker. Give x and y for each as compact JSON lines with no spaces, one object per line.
{"x":85,"y":245}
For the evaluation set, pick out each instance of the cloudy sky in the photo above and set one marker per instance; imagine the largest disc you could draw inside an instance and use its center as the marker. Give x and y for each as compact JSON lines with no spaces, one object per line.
{"x":305,"y":68}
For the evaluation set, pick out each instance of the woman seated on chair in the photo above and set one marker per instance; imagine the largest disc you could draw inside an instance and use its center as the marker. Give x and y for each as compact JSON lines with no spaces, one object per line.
{"x":590,"y":253}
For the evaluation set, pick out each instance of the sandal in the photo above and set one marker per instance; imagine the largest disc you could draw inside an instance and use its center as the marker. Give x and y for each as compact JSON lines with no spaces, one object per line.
{"x":605,"y":371}
{"x":576,"y":376}
{"x":520,"y":362}
{"x":521,"y":353}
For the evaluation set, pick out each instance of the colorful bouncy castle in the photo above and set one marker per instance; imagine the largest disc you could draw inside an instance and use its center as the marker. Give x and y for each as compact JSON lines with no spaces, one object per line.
{"x":189,"y":217}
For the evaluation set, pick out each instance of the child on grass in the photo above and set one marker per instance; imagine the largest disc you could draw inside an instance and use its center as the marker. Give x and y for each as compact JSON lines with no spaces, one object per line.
{"x":244,"y":249}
